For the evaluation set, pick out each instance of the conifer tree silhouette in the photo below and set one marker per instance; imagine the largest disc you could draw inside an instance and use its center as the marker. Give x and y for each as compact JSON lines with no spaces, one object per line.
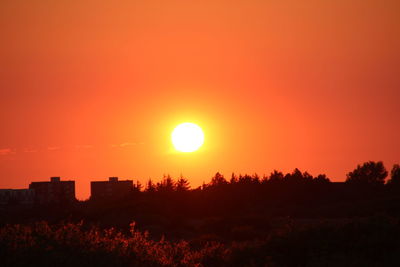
{"x":182,"y":185}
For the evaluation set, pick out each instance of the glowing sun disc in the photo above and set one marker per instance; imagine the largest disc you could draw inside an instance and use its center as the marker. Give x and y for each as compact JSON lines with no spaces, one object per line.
{"x":187,"y":137}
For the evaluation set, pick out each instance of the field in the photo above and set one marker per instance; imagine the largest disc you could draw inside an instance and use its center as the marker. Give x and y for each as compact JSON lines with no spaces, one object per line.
{"x":359,"y":242}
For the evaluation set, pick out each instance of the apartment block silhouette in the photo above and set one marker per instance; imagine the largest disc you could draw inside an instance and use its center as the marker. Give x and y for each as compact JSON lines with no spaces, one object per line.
{"x":54,"y":191}
{"x":113,"y":188}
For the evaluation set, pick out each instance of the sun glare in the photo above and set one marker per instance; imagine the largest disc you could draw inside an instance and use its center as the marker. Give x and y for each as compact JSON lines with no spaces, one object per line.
{"x":187,"y":137}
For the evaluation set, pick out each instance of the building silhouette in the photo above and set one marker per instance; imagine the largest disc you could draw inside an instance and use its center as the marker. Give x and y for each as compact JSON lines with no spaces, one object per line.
{"x":113,"y":188}
{"x":17,"y":196}
{"x":54,"y":191}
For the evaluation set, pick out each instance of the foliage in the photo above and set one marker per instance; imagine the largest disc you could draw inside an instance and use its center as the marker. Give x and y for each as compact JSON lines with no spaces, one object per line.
{"x":359,"y":242}
{"x":218,"y":180}
{"x":395,"y":175}
{"x":70,"y":244}
{"x":166,"y":185}
{"x":370,"y":173}
{"x":150,"y":186}
{"x":182,"y":184}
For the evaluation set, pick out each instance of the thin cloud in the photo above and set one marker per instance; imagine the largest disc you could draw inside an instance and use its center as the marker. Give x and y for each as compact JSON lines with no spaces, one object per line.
{"x":83,"y":146}
{"x":28,"y":150}
{"x":6,"y":151}
{"x":127,"y":144}
{"x":53,"y":148}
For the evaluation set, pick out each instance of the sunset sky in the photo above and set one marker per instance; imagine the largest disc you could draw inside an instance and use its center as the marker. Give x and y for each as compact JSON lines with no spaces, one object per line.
{"x":92,"y":89}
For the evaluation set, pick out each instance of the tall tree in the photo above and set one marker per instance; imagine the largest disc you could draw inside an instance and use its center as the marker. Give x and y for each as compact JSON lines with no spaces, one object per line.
{"x":395,"y":175}
{"x":370,"y":173}
{"x":233,"y":179}
{"x":182,"y":185}
{"x":150,"y":186}
{"x":321,"y":178}
{"x":276,"y":176}
{"x":218,"y":179}
{"x":166,"y":185}
{"x":138,"y":186}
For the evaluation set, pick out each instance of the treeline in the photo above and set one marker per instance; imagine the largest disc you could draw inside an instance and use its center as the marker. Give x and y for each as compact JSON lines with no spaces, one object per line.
{"x":229,"y":208}
{"x":295,"y":193}
{"x":368,"y":174}
{"x":367,"y":191}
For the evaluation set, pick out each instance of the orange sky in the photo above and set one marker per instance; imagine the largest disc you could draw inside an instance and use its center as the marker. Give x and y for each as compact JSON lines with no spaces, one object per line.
{"x":91,"y":89}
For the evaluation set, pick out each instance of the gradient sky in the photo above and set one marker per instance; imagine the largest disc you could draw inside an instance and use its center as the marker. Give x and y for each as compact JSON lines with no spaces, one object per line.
{"x":92,"y":89}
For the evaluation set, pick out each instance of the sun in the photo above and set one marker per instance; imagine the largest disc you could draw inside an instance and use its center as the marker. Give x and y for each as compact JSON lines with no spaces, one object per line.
{"x":187,"y":137}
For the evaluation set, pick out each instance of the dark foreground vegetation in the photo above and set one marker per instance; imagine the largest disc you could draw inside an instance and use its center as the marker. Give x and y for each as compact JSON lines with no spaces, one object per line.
{"x":292,"y":219}
{"x":364,"y":242}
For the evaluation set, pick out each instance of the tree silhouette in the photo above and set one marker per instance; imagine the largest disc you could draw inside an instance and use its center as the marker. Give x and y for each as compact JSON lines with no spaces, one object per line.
{"x":233,"y":179}
{"x":395,"y":175}
{"x":218,"y":180}
{"x":182,"y":185}
{"x":321,"y":179}
{"x":150,"y":186}
{"x":276,"y":176}
{"x":247,"y":179}
{"x":137,"y":187}
{"x":307,"y":177}
{"x":166,"y":185}
{"x":370,"y":173}
{"x":297,"y":177}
